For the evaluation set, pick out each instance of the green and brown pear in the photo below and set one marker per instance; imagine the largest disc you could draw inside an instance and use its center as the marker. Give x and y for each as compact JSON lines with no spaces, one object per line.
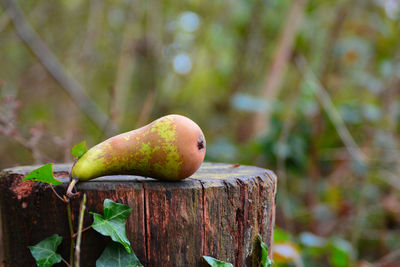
{"x":170,"y":148}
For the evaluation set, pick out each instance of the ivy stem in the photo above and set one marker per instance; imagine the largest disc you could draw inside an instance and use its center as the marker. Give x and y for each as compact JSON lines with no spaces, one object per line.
{"x":55,"y":192}
{"x":80,"y":226}
{"x":66,"y":263}
{"x":71,"y":229}
{"x":83,"y":230}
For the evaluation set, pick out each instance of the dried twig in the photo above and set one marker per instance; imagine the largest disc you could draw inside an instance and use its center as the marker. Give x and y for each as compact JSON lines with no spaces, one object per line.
{"x":8,"y":127}
{"x":52,"y":64}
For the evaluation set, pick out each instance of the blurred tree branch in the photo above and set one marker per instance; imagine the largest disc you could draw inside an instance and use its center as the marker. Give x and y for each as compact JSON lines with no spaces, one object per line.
{"x":281,"y":167}
{"x":325,"y":68}
{"x":331,"y":111}
{"x":92,"y":28}
{"x":154,"y":36}
{"x":333,"y":34}
{"x":53,"y":66}
{"x":389,"y":98}
{"x":243,"y":61}
{"x":147,"y":108}
{"x":327,"y":60}
{"x":144,"y":52}
{"x":4,"y":20}
{"x":278,"y":65}
{"x":354,"y":150}
{"x":126,"y":63}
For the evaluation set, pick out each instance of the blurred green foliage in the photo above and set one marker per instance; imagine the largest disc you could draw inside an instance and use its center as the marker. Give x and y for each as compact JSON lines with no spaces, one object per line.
{"x":210,"y":61}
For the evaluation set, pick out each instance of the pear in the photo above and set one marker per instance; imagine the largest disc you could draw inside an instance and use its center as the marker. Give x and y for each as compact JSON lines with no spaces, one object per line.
{"x":170,"y":148}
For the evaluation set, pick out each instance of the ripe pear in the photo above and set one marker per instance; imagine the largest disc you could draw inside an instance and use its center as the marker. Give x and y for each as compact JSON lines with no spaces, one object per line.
{"x":170,"y":148}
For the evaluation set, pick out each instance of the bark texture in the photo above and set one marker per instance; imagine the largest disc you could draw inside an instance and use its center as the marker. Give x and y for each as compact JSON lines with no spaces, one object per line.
{"x":216,"y":212}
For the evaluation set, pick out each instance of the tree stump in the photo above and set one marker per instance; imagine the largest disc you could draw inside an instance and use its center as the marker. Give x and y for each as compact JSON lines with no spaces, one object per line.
{"x":216,"y":212}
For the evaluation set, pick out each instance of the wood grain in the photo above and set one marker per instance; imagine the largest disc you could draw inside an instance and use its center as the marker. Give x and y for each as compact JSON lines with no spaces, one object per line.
{"x":217,"y":212}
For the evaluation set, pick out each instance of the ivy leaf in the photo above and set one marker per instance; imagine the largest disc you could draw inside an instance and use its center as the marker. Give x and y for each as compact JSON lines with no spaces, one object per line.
{"x":79,"y":149}
{"x":43,"y":174}
{"x":113,"y":222}
{"x":260,"y":254}
{"x":44,"y":252}
{"x":116,"y":256}
{"x":216,"y":263}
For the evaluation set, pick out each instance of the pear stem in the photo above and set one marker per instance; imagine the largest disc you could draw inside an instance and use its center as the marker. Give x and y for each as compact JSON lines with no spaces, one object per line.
{"x":71,"y":186}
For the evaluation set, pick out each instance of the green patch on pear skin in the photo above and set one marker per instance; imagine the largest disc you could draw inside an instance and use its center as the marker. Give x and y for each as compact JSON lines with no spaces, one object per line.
{"x":166,"y":129}
{"x":135,"y":155}
{"x":145,"y":155}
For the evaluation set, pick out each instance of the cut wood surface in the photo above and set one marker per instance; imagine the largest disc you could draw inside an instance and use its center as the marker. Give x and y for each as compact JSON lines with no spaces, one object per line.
{"x":216,"y":212}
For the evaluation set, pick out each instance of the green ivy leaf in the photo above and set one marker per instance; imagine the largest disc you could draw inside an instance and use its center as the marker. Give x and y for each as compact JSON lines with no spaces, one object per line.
{"x":79,"y":149}
{"x":116,"y":256}
{"x":44,"y":252}
{"x":113,"y":222}
{"x":260,"y":254}
{"x":43,"y":174}
{"x":216,"y":263}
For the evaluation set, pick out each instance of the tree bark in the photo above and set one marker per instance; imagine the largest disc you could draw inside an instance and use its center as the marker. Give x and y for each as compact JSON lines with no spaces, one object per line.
{"x":216,"y":212}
